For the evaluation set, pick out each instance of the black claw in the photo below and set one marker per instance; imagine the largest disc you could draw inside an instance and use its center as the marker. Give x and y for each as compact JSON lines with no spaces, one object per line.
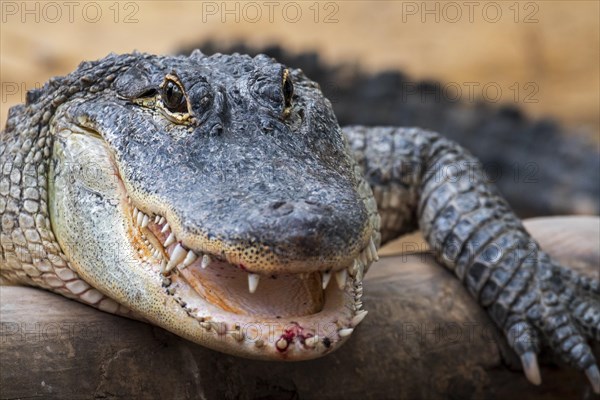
{"x":594,"y":376}
{"x":531,"y":368}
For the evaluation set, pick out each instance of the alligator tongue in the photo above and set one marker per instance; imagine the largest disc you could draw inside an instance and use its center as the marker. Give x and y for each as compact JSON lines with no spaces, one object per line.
{"x":226,"y":286}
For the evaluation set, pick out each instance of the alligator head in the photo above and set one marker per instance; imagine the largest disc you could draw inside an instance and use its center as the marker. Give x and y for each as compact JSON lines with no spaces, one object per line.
{"x":216,"y":197}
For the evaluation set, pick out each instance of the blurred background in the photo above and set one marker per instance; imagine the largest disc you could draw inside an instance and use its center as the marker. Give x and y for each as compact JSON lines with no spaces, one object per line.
{"x":517,"y":83}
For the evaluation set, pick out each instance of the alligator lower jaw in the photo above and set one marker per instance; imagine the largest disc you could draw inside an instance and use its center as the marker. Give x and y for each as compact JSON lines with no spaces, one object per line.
{"x":286,"y":316}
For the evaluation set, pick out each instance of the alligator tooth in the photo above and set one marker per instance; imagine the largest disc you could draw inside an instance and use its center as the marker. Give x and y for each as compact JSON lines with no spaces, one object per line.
{"x":190,"y":258}
{"x":145,"y":221}
{"x":168,"y":268}
{"x":163,"y":266}
{"x":354,"y":269}
{"x":165,"y":228}
{"x":364,"y":258}
{"x":340,"y":277}
{"x":237,"y":335}
{"x":140,"y":218}
{"x":373,"y":250}
{"x":156,"y":253}
{"x":176,"y":257}
{"x":311,"y":341}
{"x":253,"y":280}
{"x":359,"y":270}
{"x":281,"y":344}
{"x":170,"y":240}
{"x":206,"y":260}
{"x":156,"y":219}
{"x":206,"y":325}
{"x":326,"y":279}
{"x":161,"y":220}
{"x":135,"y":213}
{"x":357,"y":319}
{"x":345,"y":332}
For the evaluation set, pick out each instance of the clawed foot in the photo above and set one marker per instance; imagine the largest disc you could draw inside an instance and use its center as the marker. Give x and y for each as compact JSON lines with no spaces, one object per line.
{"x":559,"y":308}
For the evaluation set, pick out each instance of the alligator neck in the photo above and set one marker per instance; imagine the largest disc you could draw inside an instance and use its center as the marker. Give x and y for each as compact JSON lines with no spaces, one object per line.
{"x":30,"y":253}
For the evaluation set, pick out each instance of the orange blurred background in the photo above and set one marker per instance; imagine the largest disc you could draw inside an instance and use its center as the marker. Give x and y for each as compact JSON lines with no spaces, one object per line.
{"x":544,"y":56}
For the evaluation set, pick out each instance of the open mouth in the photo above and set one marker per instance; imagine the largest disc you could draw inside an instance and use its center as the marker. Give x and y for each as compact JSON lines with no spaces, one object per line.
{"x":292,"y":314}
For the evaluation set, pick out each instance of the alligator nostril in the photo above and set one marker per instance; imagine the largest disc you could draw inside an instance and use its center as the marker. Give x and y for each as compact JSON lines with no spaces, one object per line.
{"x":216,"y":130}
{"x":281,"y":208}
{"x":277,"y":205}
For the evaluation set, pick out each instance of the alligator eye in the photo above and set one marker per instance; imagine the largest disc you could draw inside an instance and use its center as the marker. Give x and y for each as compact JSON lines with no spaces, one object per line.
{"x":173,"y":98}
{"x":288,"y":88}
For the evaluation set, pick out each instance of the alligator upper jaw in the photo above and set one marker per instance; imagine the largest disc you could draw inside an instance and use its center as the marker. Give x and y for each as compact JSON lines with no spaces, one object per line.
{"x":284,"y":316}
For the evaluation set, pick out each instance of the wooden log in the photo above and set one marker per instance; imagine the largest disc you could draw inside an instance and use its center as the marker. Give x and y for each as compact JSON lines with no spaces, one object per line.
{"x":424,"y":338}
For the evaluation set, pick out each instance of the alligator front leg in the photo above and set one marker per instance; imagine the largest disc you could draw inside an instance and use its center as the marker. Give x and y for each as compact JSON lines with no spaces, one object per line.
{"x":420,"y":178}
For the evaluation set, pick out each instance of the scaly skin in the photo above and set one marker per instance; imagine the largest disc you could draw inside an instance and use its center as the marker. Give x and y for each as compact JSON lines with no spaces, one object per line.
{"x":218,"y":197}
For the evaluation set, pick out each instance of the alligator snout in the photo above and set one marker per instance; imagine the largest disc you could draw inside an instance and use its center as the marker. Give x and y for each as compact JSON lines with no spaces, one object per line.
{"x":312,"y":225}
{"x":297,"y":230}
{"x":317,"y":234}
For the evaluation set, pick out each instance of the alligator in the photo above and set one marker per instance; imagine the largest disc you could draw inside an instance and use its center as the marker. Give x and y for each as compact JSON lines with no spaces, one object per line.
{"x":218,"y":198}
